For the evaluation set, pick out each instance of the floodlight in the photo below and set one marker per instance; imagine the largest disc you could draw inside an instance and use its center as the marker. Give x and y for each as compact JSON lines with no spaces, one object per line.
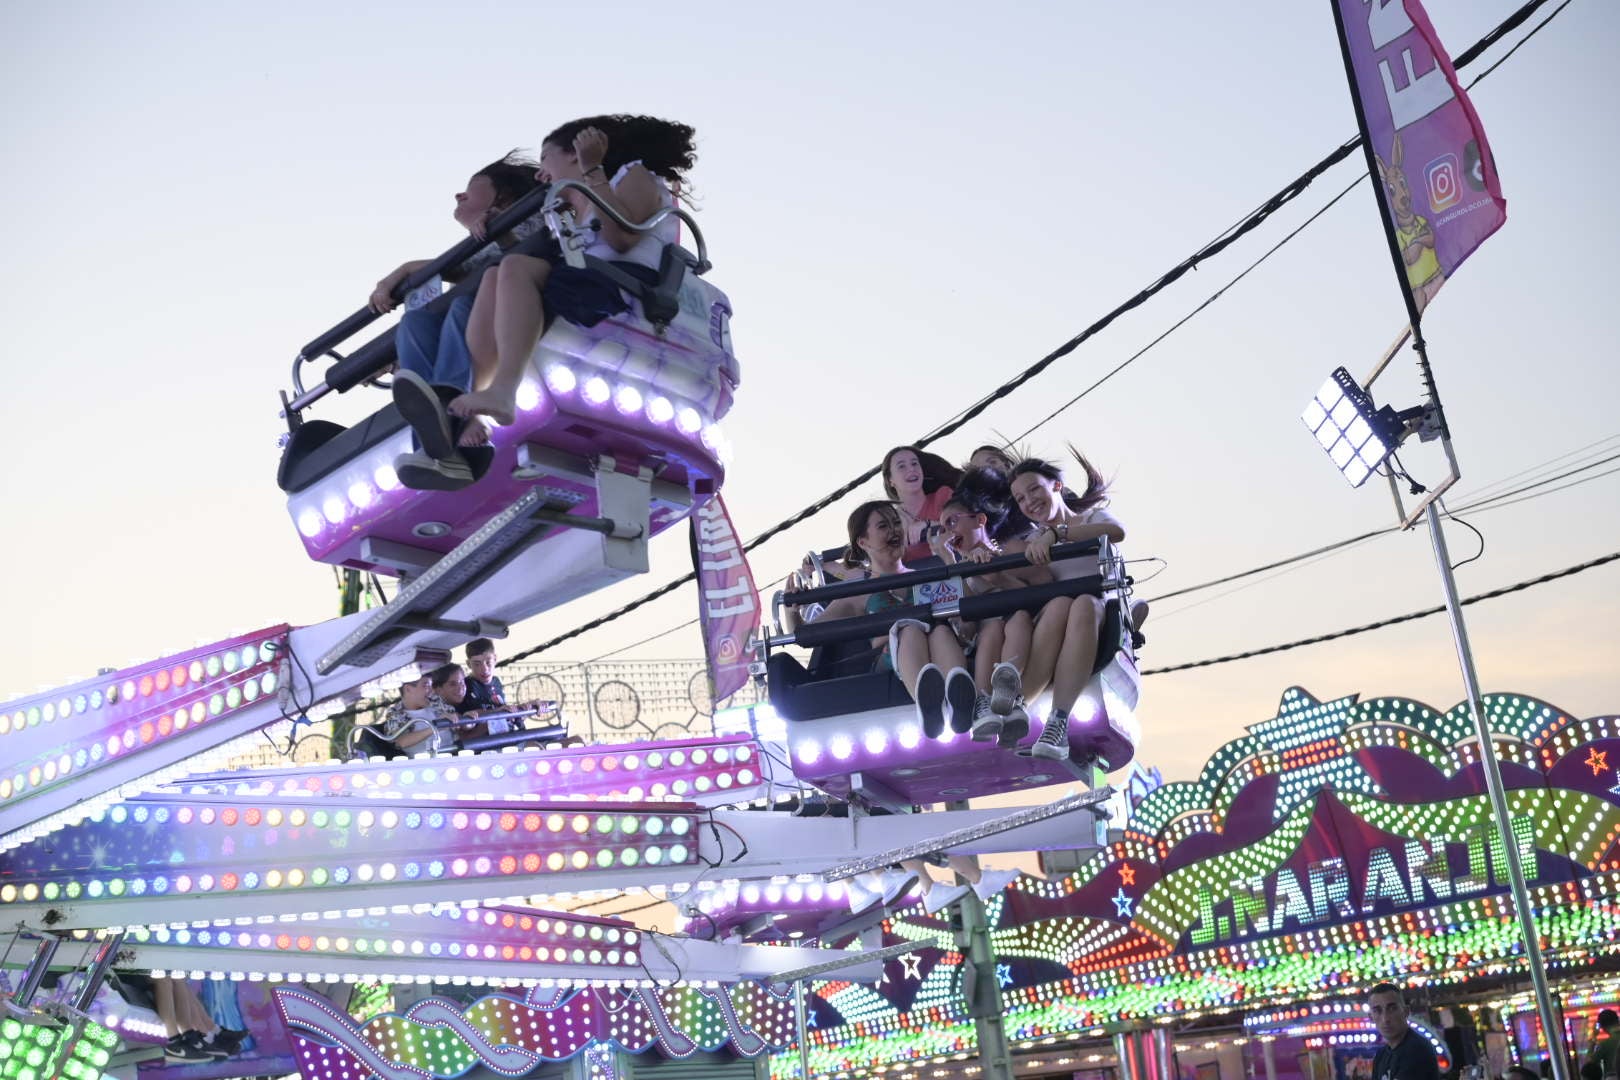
{"x":1357,"y":435}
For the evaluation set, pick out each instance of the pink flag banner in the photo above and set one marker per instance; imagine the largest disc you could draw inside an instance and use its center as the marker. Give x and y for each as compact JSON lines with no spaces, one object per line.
{"x":728,"y":603}
{"x":1424,"y":141}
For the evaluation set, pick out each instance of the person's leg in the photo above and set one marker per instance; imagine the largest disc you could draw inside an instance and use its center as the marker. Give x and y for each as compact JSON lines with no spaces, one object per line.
{"x":1078,"y":654}
{"x":481,"y":331}
{"x":909,"y":646}
{"x":909,"y":652}
{"x":518,"y":320}
{"x":944,"y":649}
{"x":452,"y":359}
{"x":1015,"y":645}
{"x":1075,"y":657}
{"x":163,"y":1002}
{"x":987,"y":649}
{"x":1046,"y":641}
{"x":416,"y":341}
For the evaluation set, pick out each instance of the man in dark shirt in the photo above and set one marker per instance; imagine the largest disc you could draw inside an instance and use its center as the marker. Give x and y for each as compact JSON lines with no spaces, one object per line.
{"x":1405,"y":1055}
{"x":1605,"y":1050}
{"x":484,"y":690}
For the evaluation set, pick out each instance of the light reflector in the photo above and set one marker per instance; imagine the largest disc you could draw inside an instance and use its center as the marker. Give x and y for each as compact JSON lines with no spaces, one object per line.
{"x":1355,"y":434}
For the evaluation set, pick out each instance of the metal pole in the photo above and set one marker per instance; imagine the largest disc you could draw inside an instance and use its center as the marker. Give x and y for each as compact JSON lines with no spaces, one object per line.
{"x":1499,"y":807}
{"x":803,"y":1030}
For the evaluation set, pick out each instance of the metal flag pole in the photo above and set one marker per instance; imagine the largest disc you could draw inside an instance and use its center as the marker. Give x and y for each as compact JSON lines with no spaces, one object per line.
{"x":1523,"y":911}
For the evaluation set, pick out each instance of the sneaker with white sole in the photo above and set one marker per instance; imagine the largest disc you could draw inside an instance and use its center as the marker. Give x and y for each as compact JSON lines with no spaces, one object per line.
{"x":992,"y":882}
{"x":423,"y":472}
{"x":1005,"y":687}
{"x":421,"y":407}
{"x":960,"y":694}
{"x":896,"y":884}
{"x":1015,"y":725}
{"x":941,"y":897}
{"x":862,"y":891}
{"x":930,"y":695}
{"x":1054,"y":741}
{"x":986,"y":724}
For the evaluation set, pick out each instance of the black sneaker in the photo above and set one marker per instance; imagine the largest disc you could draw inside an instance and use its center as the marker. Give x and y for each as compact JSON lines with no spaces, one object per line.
{"x":930,"y":697}
{"x":226,"y":1043}
{"x":422,"y":409}
{"x":423,"y":472}
{"x":187,"y":1046}
{"x":960,"y":694}
{"x":1015,"y":725}
{"x":1054,"y":741}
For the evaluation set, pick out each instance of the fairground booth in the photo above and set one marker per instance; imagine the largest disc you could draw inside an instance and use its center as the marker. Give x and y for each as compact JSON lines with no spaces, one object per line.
{"x":1233,"y":926}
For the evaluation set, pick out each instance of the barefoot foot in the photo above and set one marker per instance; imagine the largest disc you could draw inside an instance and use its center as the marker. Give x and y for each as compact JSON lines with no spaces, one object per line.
{"x":501,"y":408}
{"x":475,"y":432}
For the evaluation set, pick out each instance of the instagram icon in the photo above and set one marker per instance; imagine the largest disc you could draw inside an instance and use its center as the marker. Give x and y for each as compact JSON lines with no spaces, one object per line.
{"x":1443,"y":182}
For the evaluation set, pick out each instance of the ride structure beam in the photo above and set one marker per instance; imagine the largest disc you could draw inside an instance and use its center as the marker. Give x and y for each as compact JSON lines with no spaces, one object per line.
{"x":306,"y":856}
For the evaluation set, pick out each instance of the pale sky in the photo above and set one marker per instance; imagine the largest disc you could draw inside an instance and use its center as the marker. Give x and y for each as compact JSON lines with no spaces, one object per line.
{"x":906,"y":203}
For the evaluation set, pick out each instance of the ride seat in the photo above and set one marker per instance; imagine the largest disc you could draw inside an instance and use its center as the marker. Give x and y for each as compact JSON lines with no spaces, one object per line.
{"x":798,"y":695}
{"x":367,"y":741}
{"x":316,"y":447}
{"x":660,"y":299}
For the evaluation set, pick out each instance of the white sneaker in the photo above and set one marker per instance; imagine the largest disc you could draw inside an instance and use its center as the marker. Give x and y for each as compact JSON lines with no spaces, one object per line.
{"x":992,"y":882}
{"x":1054,"y":741}
{"x":863,"y":891}
{"x":896,"y":883}
{"x":1005,"y":687}
{"x":941,"y":897}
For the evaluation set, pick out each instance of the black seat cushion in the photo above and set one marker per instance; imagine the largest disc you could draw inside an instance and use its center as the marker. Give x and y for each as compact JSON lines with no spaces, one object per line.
{"x":799,"y":696}
{"x":320,"y":446}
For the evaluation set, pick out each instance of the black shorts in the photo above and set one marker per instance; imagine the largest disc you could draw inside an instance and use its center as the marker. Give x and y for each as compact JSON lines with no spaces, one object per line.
{"x":585,"y":297}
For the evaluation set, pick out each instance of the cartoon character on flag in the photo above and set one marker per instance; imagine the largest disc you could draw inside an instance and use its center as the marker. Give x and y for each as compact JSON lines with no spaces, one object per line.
{"x":1440,"y":193}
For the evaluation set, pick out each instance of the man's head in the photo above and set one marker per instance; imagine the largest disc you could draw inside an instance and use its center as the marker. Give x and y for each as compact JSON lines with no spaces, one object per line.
{"x":1521,"y":1072}
{"x":1608,"y":1019}
{"x":450,"y":682}
{"x":481,"y":659}
{"x":414,"y":694}
{"x":1388,"y":1011}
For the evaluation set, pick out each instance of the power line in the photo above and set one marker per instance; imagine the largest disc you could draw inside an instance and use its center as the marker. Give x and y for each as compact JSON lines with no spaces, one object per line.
{"x":1492,"y":502}
{"x":1245,"y":225}
{"x":1568,"y":571}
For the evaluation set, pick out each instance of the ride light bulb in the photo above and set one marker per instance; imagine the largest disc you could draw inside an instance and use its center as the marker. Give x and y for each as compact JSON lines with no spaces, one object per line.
{"x":560,"y":377}
{"x":627,"y":400}
{"x":309,"y":523}
{"x":360,"y":494}
{"x":688,"y":420}
{"x":385,"y":477}
{"x":528,"y":394}
{"x":660,"y":410}
{"x":596,"y":390}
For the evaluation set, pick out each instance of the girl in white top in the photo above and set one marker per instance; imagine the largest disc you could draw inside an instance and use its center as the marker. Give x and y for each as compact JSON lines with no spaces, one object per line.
{"x":628,"y":162}
{"x":1066,"y":631}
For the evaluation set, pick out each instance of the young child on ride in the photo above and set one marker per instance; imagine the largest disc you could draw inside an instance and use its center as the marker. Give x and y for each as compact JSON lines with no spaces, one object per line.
{"x":629,"y":162}
{"x":928,"y":660}
{"x":919,"y":483}
{"x":1066,"y":631}
{"x":433,"y":362}
{"x":980,"y":523}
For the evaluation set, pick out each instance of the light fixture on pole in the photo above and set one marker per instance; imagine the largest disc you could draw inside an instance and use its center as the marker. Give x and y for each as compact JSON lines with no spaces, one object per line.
{"x":1358,"y":436}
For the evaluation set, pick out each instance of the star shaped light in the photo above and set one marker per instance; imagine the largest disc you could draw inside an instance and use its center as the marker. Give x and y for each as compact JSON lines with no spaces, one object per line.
{"x":1597,"y":760}
{"x":1004,"y":975}
{"x":911,"y":964}
{"x":1122,"y":903}
{"x":1127,"y":874}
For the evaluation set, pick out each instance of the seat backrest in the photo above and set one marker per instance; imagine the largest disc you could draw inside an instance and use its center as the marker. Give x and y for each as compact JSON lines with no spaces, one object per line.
{"x":1110,"y":638}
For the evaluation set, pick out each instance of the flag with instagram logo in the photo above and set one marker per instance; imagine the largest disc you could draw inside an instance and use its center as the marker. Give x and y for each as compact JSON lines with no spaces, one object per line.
{"x":728,"y":603}
{"x":1425,"y":146}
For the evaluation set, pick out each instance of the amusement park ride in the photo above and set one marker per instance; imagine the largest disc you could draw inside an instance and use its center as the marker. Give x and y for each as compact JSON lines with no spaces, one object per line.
{"x":120,"y":825}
